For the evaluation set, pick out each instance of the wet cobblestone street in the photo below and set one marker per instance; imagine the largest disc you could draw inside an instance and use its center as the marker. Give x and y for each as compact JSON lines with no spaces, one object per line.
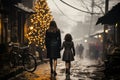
{"x":80,"y":70}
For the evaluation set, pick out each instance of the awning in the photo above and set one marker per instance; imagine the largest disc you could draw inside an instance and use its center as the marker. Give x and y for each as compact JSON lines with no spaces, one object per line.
{"x":97,"y":32}
{"x":112,"y":17}
{"x":24,"y":8}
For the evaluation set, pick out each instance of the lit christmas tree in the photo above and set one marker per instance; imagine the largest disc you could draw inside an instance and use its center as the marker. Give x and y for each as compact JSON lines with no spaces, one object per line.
{"x":39,"y":23}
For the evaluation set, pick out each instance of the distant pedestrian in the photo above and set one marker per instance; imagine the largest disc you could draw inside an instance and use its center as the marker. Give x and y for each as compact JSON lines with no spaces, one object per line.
{"x":69,"y":52}
{"x":77,"y":50}
{"x":53,"y":45}
{"x":81,"y":49}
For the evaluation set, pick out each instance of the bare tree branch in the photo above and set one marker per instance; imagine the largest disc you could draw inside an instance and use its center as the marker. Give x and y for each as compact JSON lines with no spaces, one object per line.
{"x":78,"y":9}
{"x":64,"y":13}
{"x":100,"y":8}
{"x":85,"y":5}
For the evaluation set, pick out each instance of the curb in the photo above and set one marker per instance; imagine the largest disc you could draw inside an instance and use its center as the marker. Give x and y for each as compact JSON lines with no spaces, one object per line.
{"x":12,"y":73}
{"x":17,"y":71}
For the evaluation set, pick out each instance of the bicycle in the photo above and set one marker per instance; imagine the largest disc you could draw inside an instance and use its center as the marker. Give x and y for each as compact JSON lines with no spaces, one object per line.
{"x":21,"y":56}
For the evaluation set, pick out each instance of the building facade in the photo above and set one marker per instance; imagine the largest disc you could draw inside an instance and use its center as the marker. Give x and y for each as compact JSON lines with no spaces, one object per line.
{"x":13,"y":15}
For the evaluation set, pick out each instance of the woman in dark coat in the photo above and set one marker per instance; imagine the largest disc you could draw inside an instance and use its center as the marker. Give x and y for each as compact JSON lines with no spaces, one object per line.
{"x":69,"y":52}
{"x":53,"y":45}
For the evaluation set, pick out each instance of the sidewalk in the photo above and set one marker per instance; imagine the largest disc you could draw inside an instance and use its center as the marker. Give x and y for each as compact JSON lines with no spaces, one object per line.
{"x":41,"y":73}
{"x":6,"y":74}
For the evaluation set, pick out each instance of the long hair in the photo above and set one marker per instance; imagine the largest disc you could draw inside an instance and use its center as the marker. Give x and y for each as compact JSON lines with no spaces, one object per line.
{"x":53,"y":26}
{"x":68,"y":37}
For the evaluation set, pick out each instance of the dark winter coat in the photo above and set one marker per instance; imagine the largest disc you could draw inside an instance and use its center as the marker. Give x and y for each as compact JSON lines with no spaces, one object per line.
{"x":53,"y":44}
{"x":69,"y":51}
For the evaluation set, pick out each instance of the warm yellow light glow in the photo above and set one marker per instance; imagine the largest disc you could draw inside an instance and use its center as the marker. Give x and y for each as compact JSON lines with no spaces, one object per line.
{"x":40,"y":22}
{"x":99,"y":36}
{"x":106,"y":31}
{"x":31,"y":27}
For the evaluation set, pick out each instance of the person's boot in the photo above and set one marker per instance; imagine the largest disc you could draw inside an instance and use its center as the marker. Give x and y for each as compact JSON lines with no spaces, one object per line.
{"x":69,"y":71}
{"x":67,"y":74}
{"x":51,"y":71}
{"x":55,"y":73}
{"x":66,"y":71}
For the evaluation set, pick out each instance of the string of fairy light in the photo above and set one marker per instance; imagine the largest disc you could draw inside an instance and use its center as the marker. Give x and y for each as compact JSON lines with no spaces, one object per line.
{"x":39,"y":24}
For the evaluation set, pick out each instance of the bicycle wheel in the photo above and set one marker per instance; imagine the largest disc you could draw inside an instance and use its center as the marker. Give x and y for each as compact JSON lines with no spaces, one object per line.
{"x":29,"y":63}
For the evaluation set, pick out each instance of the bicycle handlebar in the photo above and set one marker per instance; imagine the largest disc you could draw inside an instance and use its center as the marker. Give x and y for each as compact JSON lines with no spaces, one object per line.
{"x":17,"y":45}
{"x":24,"y":47}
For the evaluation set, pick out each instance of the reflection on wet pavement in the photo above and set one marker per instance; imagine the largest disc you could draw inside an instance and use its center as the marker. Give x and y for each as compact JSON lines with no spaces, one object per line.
{"x":82,"y":70}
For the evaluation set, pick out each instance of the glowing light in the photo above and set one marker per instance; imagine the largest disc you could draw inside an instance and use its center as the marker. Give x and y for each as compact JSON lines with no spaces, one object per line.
{"x":85,"y":41}
{"x":31,"y":27}
{"x":40,"y":23}
{"x":99,"y":36}
{"x":96,"y":36}
{"x":106,"y":31}
{"x":116,"y":24}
